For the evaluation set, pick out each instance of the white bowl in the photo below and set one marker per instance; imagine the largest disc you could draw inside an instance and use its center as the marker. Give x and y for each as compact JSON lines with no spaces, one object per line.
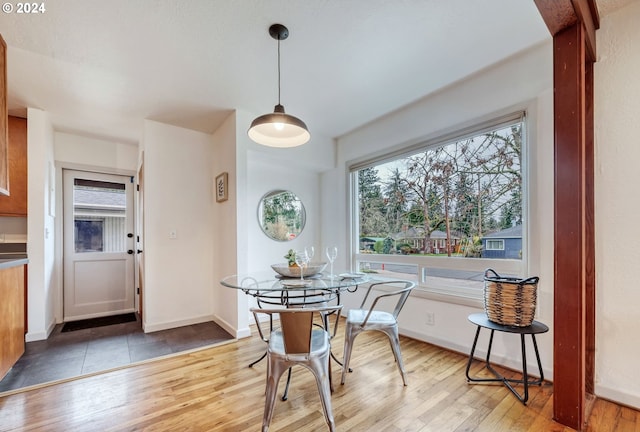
{"x":310,"y":270}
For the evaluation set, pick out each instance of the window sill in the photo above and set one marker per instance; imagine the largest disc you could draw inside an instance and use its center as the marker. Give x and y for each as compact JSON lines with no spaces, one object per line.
{"x":464,"y":296}
{"x":451,"y":296}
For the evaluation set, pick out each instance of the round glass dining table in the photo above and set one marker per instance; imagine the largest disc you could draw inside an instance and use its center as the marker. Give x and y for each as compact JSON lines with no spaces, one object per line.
{"x":273,"y":289}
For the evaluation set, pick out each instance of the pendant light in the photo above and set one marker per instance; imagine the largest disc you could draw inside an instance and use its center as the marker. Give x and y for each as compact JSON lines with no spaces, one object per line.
{"x":279,"y":129}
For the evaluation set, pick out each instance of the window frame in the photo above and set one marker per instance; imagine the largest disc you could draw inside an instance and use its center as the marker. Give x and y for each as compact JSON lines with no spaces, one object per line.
{"x":450,"y":294}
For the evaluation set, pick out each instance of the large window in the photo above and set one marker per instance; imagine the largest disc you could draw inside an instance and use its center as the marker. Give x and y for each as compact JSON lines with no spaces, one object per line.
{"x":444,"y":211}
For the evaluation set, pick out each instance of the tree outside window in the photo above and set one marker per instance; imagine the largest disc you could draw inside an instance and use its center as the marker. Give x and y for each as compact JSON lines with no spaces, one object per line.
{"x":441,"y":201}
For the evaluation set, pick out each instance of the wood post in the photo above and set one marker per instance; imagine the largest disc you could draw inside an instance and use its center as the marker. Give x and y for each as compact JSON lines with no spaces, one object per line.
{"x":572,"y":24}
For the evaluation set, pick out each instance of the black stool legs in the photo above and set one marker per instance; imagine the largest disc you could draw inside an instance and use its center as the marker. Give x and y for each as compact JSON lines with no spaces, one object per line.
{"x":525,"y":381}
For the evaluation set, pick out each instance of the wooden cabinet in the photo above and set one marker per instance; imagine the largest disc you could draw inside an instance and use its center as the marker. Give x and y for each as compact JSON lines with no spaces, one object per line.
{"x":12,"y":293}
{"x":4,"y":160}
{"x":16,"y":203}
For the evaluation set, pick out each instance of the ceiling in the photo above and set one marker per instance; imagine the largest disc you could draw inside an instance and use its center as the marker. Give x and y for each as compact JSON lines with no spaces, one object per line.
{"x":100,"y":67}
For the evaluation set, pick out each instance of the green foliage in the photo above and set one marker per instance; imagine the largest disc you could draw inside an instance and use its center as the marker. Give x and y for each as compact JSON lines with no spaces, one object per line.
{"x":387,"y":245}
{"x":474,"y":249}
{"x":281,"y":214}
{"x":472,"y":187}
{"x":291,"y":257}
{"x":372,"y":212}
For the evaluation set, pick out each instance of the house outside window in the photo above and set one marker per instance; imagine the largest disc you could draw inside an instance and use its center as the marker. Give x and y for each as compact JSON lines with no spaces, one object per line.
{"x":99,"y":210}
{"x":427,"y":213}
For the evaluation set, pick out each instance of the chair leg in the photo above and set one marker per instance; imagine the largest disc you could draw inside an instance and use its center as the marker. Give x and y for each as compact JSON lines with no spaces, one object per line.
{"x":274,"y":372}
{"x":395,"y":347}
{"x":285,"y":395}
{"x":330,"y":379}
{"x":257,"y":361}
{"x":349,"y":336}
{"x":321,"y":372}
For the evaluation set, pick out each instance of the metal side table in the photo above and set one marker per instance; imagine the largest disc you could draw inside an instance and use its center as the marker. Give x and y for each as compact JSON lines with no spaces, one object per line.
{"x":482,"y":321}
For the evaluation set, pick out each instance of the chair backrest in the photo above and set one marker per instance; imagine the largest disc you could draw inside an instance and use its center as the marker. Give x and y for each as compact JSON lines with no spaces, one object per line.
{"x":296,"y":331}
{"x":296,"y":325}
{"x":402,"y":294}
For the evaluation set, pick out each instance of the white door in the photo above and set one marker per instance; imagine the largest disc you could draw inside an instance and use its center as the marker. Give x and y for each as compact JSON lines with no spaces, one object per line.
{"x":140,"y":242}
{"x":98,"y":245}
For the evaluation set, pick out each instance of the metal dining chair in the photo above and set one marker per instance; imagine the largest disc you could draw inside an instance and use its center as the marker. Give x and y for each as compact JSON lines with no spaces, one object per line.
{"x":299,"y":342}
{"x":299,"y":299}
{"x":372,"y":317}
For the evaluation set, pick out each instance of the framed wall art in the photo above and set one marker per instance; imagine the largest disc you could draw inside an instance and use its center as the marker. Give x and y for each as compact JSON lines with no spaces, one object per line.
{"x":222,"y":187}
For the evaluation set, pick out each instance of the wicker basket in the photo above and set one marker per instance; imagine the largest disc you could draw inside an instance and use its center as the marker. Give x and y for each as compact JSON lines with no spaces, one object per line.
{"x":510,"y":301}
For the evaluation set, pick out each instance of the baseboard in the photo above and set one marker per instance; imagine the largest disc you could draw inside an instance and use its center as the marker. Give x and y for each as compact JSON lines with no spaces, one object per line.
{"x":617,"y":396}
{"x":44,"y":335}
{"x":443,"y":343}
{"x":32,"y":337}
{"x":237,"y":333}
{"x":514,"y":364}
{"x":154,"y":327}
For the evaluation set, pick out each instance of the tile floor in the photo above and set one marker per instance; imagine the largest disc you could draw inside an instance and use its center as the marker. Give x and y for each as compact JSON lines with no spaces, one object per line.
{"x":70,"y":354}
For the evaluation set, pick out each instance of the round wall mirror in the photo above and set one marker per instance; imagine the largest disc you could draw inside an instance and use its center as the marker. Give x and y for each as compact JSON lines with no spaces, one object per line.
{"x":281,"y":215}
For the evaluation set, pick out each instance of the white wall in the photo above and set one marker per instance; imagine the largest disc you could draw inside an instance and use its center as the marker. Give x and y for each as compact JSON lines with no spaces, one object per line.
{"x":42,"y":286}
{"x":253,"y":171}
{"x":296,"y":169}
{"x":617,"y":205}
{"x":267,"y":174}
{"x":178,"y":194}
{"x":227,"y":239}
{"x":523,"y":82}
{"x":101,"y":155}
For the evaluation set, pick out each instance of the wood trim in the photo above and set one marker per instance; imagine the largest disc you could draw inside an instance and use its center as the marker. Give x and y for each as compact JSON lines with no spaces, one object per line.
{"x":590,"y":242}
{"x":562,"y":14}
{"x":557,"y":14}
{"x":569,"y":250}
{"x":4,"y":136}
{"x":573,"y":24}
{"x":587,"y":13}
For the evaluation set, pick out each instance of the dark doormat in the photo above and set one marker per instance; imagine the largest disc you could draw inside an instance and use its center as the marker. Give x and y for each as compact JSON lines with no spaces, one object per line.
{"x":98,"y":322}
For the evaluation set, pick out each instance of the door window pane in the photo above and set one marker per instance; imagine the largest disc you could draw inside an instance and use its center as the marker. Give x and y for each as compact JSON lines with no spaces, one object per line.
{"x":99,"y":216}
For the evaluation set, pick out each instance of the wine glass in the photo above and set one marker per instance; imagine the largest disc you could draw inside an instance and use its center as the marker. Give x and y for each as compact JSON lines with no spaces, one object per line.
{"x":310,"y":252}
{"x":302,"y":259}
{"x":332,"y":253}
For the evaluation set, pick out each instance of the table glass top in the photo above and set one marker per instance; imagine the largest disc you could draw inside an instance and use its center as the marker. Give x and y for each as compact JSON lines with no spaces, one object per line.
{"x":270,"y":281}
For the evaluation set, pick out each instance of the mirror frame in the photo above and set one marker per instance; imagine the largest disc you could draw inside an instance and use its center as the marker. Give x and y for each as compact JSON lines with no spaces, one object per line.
{"x":302,"y":215}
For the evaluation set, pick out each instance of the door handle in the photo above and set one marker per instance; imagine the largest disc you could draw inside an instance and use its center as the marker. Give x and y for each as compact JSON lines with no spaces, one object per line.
{"x":130,"y":251}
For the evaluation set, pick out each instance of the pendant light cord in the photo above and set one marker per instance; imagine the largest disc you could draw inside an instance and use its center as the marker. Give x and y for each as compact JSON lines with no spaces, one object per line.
{"x":278,"y":70}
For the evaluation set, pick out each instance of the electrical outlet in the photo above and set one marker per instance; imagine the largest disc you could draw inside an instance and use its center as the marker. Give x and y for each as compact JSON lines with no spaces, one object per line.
{"x":430,"y":318}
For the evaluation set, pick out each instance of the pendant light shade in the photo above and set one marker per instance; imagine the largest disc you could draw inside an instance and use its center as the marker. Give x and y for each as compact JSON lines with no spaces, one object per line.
{"x":279,"y":129}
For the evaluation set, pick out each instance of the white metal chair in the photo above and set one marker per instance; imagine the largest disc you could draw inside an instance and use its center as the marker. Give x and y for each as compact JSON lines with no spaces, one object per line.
{"x":302,"y":300}
{"x":299,"y":342}
{"x":370,"y":318}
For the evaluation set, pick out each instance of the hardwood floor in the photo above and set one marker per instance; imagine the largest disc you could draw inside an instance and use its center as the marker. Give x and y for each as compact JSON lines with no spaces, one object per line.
{"x":214,"y":390}
{"x":65,"y":355}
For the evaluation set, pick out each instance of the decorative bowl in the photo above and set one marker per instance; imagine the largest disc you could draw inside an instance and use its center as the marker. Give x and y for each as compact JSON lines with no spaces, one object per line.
{"x":310,"y":270}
